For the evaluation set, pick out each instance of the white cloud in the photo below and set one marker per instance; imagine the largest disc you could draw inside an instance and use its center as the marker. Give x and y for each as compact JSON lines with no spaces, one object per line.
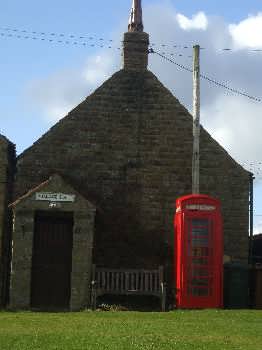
{"x":258,"y":228}
{"x":236,"y":124}
{"x":247,"y":33}
{"x":98,"y":68}
{"x":59,"y":93}
{"x":198,"y":21}
{"x":57,"y":111}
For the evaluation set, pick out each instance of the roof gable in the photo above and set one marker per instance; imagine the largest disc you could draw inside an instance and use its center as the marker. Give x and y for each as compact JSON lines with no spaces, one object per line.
{"x":55,"y":184}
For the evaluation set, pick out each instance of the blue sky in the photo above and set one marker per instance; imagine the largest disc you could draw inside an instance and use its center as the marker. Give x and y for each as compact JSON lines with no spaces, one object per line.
{"x":42,"y":81}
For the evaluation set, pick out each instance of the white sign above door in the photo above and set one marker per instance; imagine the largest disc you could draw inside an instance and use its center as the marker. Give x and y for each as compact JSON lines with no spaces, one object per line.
{"x":54,"y":197}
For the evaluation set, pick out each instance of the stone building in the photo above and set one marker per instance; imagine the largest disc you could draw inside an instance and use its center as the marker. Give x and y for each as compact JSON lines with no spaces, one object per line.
{"x":107,"y":176}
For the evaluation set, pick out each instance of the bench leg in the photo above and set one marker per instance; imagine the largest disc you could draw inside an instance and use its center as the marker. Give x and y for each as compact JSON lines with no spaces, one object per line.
{"x":163,"y":297}
{"x":93,"y":297}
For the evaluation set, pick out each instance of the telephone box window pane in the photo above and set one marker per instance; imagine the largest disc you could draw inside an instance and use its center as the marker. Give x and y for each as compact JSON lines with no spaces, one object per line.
{"x":198,"y":292}
{"x":199,"y":251}
{"x":199,"y":261}
{"x":199,"y":282}
{"x":203,"y":292}
{"x":200,"y":242}
{"x":200,"y":272}
{"x":199,"y":222}
{"x":200,"y":227}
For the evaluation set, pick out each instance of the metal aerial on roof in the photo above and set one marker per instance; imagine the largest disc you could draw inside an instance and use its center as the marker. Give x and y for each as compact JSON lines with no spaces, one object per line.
{"x":136,"y":18}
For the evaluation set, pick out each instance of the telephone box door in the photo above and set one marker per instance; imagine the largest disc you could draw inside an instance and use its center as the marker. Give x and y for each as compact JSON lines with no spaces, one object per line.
{"x":199,"y":258}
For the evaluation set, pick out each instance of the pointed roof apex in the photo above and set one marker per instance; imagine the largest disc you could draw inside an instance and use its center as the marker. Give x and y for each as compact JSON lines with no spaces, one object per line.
{"x":136,"y":18}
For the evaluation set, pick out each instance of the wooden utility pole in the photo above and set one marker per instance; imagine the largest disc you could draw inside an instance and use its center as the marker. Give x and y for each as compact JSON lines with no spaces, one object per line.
{"x":196,"y":119}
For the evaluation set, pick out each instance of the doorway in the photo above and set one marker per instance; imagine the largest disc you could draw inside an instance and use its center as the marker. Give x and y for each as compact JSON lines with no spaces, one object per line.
{"x":52,"y":260}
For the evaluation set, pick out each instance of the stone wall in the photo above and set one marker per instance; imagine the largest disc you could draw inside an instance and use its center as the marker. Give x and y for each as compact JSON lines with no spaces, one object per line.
{"x":7,"y":163}
{"x":135,"y":51}
{"x":128,"y":148}
{"x":23,"y":232}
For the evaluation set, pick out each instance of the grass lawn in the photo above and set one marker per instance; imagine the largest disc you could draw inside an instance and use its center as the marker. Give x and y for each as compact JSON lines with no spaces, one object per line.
{"x":208,"y":329}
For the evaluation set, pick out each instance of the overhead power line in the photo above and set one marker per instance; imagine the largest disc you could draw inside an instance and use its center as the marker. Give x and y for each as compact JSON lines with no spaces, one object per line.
{"x":205,"y":77}
{"x":91,"y":41}
{"x":53,"y":34}
{"x":94,"y":37}
{"x":187,"y":46}
{"x":54,"y":38}
{"x":62,"y":39}
{"x":73,"y":39}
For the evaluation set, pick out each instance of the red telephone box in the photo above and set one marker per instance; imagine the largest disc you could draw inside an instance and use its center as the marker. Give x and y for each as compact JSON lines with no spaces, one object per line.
{"x":198,"y":252}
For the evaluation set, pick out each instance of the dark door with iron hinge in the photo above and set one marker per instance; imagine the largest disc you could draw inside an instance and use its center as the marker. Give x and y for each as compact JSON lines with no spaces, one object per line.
{"x":52,"y":260}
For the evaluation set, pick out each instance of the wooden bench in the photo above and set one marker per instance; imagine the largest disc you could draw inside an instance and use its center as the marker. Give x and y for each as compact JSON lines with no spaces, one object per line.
{"x":128,"y":282}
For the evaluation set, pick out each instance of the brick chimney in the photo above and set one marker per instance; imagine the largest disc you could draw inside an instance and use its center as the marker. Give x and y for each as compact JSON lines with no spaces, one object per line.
{"x":135,"y":44}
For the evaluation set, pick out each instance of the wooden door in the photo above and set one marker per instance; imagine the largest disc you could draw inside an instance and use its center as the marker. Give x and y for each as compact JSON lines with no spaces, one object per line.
{"x":52,"y":260}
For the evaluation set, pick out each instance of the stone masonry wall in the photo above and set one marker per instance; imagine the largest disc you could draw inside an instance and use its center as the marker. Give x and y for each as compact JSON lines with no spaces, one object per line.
{"x":128,"y":149}
{"x":7,"y":157}
{"x":23,"y":233}
{"x":135,"y":51}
